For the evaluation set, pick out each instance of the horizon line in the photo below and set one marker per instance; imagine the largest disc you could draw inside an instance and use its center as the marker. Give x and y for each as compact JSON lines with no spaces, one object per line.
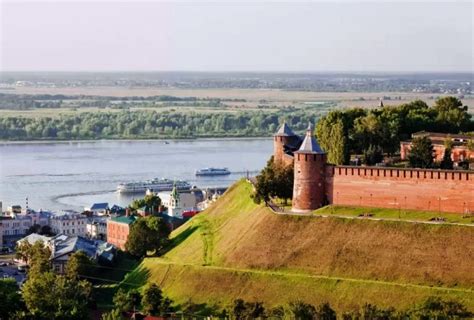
{"x":244,"y":71}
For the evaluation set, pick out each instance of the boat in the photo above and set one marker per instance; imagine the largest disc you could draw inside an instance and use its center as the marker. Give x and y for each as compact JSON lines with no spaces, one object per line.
{"x":156,"y":185}
{"x":212,"y":172}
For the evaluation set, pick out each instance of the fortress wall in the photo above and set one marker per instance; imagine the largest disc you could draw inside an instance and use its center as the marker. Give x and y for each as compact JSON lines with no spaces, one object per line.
{"x":418,"y":189}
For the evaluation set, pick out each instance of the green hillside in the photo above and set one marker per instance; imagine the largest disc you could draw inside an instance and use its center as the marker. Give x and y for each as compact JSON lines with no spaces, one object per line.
{"x":237,"y":249}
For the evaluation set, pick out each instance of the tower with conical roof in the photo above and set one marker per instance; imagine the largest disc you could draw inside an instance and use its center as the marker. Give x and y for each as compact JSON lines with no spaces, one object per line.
{"x":309,"y":175}
{"x":284,"y":136}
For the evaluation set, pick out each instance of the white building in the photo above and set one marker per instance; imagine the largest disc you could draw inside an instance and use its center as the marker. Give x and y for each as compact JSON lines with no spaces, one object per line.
{"x":69,"y":223}
{"x":97,"y":228}
{"x":15,"y":224}
{"x":178,"y":202}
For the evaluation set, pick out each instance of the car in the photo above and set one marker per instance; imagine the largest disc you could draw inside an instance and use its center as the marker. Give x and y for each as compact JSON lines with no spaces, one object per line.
{"x":22,"y":268}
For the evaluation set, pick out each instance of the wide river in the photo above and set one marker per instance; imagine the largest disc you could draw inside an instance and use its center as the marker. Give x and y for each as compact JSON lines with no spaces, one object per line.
{"x":73,"y":175}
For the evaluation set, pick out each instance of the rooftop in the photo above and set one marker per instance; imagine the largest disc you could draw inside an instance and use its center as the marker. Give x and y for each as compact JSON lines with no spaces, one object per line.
{"x":310,"y":145}
{"x":285,"y":131}
{"x":124,"y":219}
{"x":100,"y":206}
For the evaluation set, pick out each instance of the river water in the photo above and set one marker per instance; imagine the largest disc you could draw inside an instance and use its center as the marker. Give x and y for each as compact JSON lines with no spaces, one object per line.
{"x":73,"y":175}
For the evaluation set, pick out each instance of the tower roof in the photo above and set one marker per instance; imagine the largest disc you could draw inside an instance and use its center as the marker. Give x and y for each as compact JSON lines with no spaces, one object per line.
{"x":285,"y":131}
{"x":310,"y":145}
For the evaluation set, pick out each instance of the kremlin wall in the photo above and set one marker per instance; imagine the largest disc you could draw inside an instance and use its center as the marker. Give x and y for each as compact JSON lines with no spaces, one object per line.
{"x":317,"y":183}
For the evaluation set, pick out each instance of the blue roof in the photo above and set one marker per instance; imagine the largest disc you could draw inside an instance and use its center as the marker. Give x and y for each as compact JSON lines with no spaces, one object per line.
{"x":99,"y":206}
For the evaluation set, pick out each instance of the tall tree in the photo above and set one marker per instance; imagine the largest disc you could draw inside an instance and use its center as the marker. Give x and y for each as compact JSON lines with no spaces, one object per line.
{"x":153,"y":300}
{"x":421,"y":154}
{"x":149,"y":234}
{"x":79,"y":265}
{"x":452,"y":115}
{"x":332,"y":138}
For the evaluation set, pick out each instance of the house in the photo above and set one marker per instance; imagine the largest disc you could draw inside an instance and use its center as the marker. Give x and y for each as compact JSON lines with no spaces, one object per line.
{"x":96,"y":228}
{"x":460,"y":151}
{"x":98,"y":209}
{"x":15,"y":226}
{"x":69,"y":223}
{"x":118,"y":229}
{"x":63,"y":246}
{"x":178,"y":202}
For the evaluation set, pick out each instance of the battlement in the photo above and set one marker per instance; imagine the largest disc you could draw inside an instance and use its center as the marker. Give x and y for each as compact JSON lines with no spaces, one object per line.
{"x":401,"y":173}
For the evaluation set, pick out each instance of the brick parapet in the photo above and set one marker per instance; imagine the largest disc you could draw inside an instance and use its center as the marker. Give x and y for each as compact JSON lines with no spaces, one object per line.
{"x":400,"y":188}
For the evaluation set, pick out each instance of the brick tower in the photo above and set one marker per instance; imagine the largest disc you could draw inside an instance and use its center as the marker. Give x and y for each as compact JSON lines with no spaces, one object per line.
{"x":284,"y":136}
{"x":309,"y":181}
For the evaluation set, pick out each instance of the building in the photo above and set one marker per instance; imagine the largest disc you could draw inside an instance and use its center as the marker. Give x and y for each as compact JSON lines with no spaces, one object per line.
{"x":16,"y":225}
{"x":460,"y":151}
{"x":63,"y":246}
{"x":98,"y":209}
{"x":317,"y":183}
{"x":118,"y":229}
{"x":69,"y":223}
{"x":96,"y":228}
{"x":178,"y":202}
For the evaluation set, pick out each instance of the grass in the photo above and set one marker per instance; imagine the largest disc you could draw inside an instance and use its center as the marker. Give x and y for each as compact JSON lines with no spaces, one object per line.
{"x":220,"y":286}
{"x":112,"y":277}
{"x":237,"y":249}
{"x":402,"y":214}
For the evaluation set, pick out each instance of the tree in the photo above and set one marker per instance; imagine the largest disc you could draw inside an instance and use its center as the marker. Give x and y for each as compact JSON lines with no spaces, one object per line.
{"x":79,"y":265}
{"x":325,"y":312}
{"x":437,"y":308}
{"x":152,"y":300}
{"x":303,"y":311}
{"x":421,"y":153}
{"x":149,"y":234}
{"x":373,"y":155}
{"x":50,"y":296}
{"x":274,"y":180}
{"x":126,"y":300}
{"x":114,"y":314}
{"x":452,"y":116}
{"x":247,"y":310}
{"x":332,"y":139}
{"x":447,"y":162}
{"x":11,"y":301}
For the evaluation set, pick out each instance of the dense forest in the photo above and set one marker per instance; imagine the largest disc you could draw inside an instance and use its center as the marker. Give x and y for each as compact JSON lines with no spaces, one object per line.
{"x":379,"y":131}
{"x":152,"y":125}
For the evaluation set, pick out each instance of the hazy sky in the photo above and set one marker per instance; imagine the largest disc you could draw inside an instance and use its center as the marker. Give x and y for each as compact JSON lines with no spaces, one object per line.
{"x":233,"y":36}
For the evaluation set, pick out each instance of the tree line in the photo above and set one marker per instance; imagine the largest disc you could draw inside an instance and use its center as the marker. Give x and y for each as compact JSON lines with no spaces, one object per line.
{"x":378,"y":131}
{"x":151,"y":125}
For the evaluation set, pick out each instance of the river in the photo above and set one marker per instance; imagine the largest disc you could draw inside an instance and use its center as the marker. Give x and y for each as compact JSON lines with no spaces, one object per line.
{"x":73,"y":175}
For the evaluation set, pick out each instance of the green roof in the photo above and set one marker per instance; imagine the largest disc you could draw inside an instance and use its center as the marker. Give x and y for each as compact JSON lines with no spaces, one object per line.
{"x":124,"y":219}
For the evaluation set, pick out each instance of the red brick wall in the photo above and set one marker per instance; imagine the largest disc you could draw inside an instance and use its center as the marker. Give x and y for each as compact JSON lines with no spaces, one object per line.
{"x":117,"y":233}
{"x":309,"y":186}
{"x":418,"y":189}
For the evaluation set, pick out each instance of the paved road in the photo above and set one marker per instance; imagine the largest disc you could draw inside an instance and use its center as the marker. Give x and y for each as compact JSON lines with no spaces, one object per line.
{"x":11,"y":271}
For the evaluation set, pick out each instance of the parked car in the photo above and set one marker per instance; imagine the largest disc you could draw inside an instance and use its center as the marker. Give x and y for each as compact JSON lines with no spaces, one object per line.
{"x":22,"y":268}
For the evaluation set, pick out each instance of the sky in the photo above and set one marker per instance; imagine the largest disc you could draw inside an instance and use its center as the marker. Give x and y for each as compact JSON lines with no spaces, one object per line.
{"x":313,"y":36}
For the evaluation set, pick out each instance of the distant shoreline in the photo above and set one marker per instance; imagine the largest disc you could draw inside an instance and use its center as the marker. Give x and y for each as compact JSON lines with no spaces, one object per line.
{"x":19,"y":142}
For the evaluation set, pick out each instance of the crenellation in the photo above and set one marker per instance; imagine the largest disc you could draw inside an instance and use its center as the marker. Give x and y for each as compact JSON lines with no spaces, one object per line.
{"x":317,"y":183}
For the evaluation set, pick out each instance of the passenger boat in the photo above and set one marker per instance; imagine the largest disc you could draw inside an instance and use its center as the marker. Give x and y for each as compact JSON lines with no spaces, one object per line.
{"x":212,"y":172}
{"x":155,"y":185}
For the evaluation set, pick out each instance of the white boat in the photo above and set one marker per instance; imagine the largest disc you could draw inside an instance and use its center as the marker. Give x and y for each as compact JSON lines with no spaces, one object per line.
{"x":212,"y":172}
{"x":156,"y":185}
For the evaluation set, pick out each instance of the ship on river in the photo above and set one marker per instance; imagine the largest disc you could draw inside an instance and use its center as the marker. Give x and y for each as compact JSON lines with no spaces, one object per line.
{"x":157,"y":185}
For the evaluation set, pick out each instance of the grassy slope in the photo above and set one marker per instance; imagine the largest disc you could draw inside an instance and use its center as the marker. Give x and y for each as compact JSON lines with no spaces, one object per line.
{"x":238,"y":249}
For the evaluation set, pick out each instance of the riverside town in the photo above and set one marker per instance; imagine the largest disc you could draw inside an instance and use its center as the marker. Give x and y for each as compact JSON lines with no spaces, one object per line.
{"x":236,"y":161}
